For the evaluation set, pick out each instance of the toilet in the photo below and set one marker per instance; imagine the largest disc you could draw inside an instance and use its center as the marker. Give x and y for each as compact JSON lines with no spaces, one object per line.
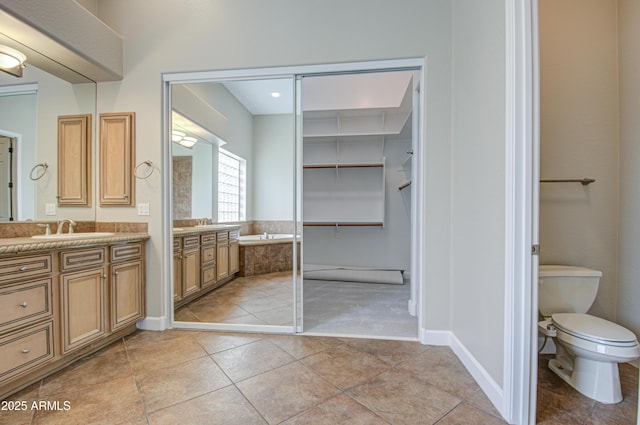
{"x":588,"y":348}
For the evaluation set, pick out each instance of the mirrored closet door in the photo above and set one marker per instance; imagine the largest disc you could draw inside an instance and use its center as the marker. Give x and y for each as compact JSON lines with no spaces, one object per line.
{"x":232,"y":206}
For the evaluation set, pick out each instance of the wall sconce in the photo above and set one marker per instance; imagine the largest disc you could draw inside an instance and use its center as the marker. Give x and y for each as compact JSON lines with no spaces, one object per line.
{"x":11,"y":61}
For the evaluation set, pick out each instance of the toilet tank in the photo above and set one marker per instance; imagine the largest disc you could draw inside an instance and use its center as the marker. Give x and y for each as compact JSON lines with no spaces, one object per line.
{"x":566,"y":289}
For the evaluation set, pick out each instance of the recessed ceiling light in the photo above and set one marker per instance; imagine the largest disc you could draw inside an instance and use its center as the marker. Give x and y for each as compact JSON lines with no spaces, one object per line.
{"x":275,"y":94}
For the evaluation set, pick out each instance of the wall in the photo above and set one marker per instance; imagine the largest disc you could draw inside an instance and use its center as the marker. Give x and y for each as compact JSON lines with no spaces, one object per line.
{"x":273,"y":143}
{"x":231,"y":35}
{"x":477,"y":182}
{"x":579,"y":138}
{"x":629,"y":62}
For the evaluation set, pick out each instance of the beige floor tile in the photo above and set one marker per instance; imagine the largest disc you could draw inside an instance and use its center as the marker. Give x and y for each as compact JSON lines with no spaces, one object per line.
{"x":402,"y":399}
{"x":389,"y":351}
{"x":224,"y":406}
{"x":18,"y":409}
{"x":214,"y":342}
{"x":144,"y":338}
{"x":465,"y":414}
{"x":480,"y":400}
{"x":340,"y":409}
{"x":164,"y":352}
{"x":344,"y":366}
{"x":281,"y":316}
{"x":87,"y":373}
{"x":285,"y":392}
{"x":217,"y":312}
{"x":163,"y":387}
{"x":302,"y":346}
{"x":114,"y":402}
{"x":251,"y":359}
{"x":439,"y":366}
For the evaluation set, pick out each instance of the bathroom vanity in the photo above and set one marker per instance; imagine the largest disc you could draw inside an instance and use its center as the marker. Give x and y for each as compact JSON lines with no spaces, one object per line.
{"x":64,"y":297}
{"x":204,"y":258}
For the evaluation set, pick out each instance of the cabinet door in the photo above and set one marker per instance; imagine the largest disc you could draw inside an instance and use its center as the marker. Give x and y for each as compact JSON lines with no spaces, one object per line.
{"x":127,"y":294}
{"x":74,"y":160}
{"x":117,"y":157}
{"x":177,"y":275}
{"x":83,"y":300}
{"x":190,"y":271}
{"x":234,"y":257}
{"x":222,"y":262}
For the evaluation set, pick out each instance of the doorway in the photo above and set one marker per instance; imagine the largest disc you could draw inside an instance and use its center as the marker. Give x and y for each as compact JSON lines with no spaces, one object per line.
{"x":414,"y":217}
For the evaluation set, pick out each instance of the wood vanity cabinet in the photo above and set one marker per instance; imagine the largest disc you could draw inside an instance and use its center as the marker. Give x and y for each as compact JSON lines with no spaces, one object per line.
{"x":177,"y":269}
{"x":190,"y":265}
{"x":117,"y":159}
{"x":26,"y":315}
{"x":222,"y":267}
{"x":58,"y":306}
{"x":208,"y":258}
{"x":74,"y":160}
{"x":234,"y":251}
{"x":126,"y":285}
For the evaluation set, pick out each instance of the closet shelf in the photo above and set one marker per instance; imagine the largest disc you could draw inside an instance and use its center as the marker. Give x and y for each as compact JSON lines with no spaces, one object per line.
{"x":345,"y":165}
{"x":343,"y":224}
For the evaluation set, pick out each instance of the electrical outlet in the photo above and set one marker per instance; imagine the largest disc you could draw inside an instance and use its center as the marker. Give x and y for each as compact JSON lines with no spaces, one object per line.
{"x":143,"y":209}
{"x":49,"y":209}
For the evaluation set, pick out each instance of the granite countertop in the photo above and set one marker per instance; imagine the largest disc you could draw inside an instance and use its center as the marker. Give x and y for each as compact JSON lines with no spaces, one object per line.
{"x":181,"y":231}
{"x":25,"y":244}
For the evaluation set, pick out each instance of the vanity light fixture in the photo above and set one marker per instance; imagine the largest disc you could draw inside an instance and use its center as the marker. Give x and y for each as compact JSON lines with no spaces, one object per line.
{"x":177,"y":135}
{"x":275,"y":94}
{"x":188,"y":141}
{"x":11,"y":61}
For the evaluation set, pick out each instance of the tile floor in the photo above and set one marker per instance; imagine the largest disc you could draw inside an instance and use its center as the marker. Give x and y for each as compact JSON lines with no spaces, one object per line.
{"x":330,"y":307}
{"x":559,"y":404}
{"x":200,"y":377}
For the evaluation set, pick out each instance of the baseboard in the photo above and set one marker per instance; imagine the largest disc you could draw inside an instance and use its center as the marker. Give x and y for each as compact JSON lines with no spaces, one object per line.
{"x":481,"y":376}
{"x":428,"y":337}
{"x":153,"y":323}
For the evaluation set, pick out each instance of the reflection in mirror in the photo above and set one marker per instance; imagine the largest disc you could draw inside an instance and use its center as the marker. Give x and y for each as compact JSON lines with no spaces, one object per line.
{"x":233,"y":193}
{"x":29,"y":111}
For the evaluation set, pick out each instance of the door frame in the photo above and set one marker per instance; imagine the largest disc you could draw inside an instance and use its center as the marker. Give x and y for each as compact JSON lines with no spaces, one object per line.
{"x":417,"y":270}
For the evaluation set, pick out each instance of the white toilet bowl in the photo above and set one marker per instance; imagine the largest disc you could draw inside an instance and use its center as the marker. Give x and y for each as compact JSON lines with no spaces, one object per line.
{"x":588,"y":352}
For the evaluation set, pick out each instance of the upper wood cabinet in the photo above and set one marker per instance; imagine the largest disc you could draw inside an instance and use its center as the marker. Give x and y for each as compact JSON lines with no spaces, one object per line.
{"x":74,"y":160}
{"x":117,"y":159}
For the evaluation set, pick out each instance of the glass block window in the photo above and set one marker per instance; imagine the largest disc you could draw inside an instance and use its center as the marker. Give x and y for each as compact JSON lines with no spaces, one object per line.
{"x":230,"y":187}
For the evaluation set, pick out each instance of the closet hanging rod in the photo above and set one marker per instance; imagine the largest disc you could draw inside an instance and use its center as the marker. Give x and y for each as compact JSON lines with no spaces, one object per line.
{"x":584,"y":181}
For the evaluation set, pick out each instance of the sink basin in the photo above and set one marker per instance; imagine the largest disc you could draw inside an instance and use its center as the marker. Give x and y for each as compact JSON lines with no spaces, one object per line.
{"x":74,"y":235}
{"x":176,"y":229}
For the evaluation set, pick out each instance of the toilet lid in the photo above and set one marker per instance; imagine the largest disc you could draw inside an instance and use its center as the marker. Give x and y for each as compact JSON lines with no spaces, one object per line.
{"x":593,"y":328}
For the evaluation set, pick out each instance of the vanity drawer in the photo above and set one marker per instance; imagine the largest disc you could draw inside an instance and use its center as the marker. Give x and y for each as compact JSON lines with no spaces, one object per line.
{"x":21,"y":267}
{"x":208,"y":275}
{"x":234,"y":235}
{"x":208,"y":238}
{"x":25,"y":302}
{"x":223,"y":237}
{"x":126,"y":252}
{"x":208,"y":254}
{"x":177,"y":244}
{"x":25,"y":350}
{"x":190,"y":241}
{"x":71,"y":260}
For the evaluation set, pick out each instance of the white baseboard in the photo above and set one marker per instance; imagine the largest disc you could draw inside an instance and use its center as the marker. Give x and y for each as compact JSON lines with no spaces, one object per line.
{"x":428,"y":337}
{"x":482,"y":377}
{"x":153,"y":323}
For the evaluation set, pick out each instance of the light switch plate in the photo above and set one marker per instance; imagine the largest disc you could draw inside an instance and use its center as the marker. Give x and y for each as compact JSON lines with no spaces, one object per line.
{"x":143,"y":209}
{"x":49,"y":209}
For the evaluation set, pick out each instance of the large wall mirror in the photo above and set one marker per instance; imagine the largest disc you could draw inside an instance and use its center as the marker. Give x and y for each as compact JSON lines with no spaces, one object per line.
{"x":232,"y":153}
{"x":29,"y":111}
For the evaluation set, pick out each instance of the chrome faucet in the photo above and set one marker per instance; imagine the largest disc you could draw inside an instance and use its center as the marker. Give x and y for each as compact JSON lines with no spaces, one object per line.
{"x":61,"y":223}
{"x":203,"y":221}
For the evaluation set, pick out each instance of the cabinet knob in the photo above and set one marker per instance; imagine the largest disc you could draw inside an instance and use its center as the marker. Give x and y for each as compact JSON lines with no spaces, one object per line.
{"x":23,"y":304}
{"x":104,"y":276}
{"x":24,"y":268}
{"x":116,"y":273}
{"x":26,"y":350}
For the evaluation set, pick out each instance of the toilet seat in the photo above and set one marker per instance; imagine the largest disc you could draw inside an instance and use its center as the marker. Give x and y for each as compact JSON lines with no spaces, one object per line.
{"x":594,"y":329}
